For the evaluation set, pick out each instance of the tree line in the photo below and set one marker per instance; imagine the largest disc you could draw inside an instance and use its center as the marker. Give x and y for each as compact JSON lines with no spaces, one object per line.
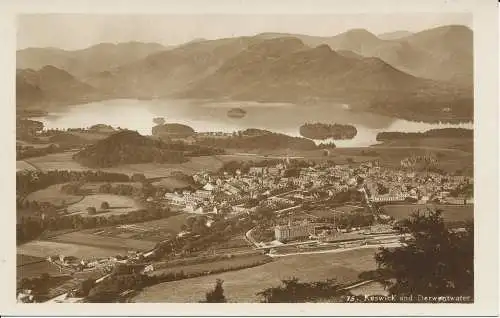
{"x":28,"y":181}
{"x":432,"y":133}
{"x":29,"y":228}
{"x":434,"y":261}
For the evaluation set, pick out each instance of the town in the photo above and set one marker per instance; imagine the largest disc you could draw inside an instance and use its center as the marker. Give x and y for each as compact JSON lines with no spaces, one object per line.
{"x":282,"y":207}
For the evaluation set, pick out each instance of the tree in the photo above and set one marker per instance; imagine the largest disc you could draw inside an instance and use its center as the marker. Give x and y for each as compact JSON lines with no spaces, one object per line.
{"x":292,"y":291}
{"x":434,"y":261}
{"x":105,"y":188}
{"x":138,"y":177}
{"x":199,"y":226}
{"x":189,"y":222}
{"x":217,"y":294}
{"x":91,"y":210}
{"x":86,"y":286}
{"x":159,"y":121}
{"x":104,"y":205}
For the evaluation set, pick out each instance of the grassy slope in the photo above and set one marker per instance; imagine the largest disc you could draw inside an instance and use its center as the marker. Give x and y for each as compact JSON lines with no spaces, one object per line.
{"x":242,"y":285}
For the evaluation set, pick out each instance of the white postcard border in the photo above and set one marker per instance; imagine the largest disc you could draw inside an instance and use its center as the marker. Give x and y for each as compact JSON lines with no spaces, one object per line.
{"x":485,"y":28}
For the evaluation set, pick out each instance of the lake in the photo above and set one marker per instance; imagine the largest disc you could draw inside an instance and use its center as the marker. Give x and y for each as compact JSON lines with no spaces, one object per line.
{"x":206,"y":116}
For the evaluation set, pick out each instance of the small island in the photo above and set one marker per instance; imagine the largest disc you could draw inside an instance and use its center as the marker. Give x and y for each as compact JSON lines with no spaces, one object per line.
{"x":173,"y":130}
{"x":236,"y":113}
{"x":321,"y":131}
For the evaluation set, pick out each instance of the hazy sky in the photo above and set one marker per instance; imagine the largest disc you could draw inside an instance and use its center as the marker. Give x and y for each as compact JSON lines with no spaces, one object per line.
{"x":75,"y":31}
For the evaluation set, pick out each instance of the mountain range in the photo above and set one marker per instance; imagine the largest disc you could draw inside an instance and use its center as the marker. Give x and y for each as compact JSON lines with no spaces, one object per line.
{"x":442,"y":53}
{"x":103,"y":56}
{"x":50,"y":85}
{"x":389,"y":73}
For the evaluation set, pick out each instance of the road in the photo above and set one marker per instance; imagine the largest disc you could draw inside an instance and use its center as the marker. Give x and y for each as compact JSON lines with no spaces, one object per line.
{"x":286,"y":209}
{"x":264,"y":156}
{"x":249,"y":239}
{"x":282,"y":194}
{"x":337,"y":250}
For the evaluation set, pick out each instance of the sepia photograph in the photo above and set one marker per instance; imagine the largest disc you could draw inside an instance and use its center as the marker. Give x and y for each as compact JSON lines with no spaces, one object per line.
{"x":245,"y":158}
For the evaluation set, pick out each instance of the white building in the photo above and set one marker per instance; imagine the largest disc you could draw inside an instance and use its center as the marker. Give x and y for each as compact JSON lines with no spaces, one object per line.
{"x":289,"y":232}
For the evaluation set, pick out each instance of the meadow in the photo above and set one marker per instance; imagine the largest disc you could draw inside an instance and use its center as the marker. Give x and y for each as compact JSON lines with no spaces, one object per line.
{"x":218,"y":265}
{"x":86,"y":238}
{"x":150,"y":231}
{"x":54,"y":195}
{"x":45,"y":248}
{"x":22,"y":259}
{"x":243,"y":285}
{"x":451,"y":213}
{"x":37,"y":269}
{"x":118,"y":204}
{"x":154,"y":170}
{"x":56,"y":161}
{"x":23,"y":165}
{"x":64,"y":161}
{"x":171,"y":183}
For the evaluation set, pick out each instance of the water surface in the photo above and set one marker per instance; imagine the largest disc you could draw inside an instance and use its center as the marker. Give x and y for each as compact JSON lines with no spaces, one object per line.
{"x":205,"y":116}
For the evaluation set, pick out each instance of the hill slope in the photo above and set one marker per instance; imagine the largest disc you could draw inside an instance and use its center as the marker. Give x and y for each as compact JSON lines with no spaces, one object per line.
{"x":442,"y":53}
{"x":286,"y":70}
{"x":395,"y":35}
{"x":97,"y":58}
{"x":165,"y":72}
{"x":50,"y":86}
{"x":127,"y":147}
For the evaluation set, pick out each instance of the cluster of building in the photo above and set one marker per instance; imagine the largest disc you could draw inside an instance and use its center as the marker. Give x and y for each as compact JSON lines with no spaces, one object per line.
{"x":400,"y":185}
{"x":229,"y":192}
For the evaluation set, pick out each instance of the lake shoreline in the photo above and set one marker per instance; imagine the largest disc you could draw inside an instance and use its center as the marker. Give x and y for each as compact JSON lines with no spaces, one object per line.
{"x":205,"y":116}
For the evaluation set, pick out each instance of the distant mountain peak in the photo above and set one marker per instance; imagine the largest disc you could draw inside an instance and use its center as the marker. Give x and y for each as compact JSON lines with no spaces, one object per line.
{"x":395,"y":35}
{"x":322,"y":50}
{"x":277,"y":46}
{"x":360,"y":33}
{"x":52,"y":71}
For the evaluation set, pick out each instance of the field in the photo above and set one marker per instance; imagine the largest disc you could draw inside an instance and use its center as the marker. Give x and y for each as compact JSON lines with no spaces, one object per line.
{"x":450,"y":160}
{"x":64,"y":161}
{"x":86,"y":238}
{"x":314,"y":155}
{"x":93,"y":187}
{"x":152,"y":231}
{"x":171,"y":224}
{"x":22,"y":259}
{"x":242,"y":285}
{"x":23,"y":165}
{"x":54,"y":195}
{"x":451,"y":213}
{"x":171,"y":183}
{"x":225,"y":264}
{"x":153,"y":170}
{"x":453,"y":154}
{"x":56,"y":161}
{"x":232,"y":245}
{"x":348,"y":208}
{"x":118,"y":205}
{"x":91,"y":136}
{"x":464,"y":144}
{"x":37,"y":269}
{"x":41,"y":248}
